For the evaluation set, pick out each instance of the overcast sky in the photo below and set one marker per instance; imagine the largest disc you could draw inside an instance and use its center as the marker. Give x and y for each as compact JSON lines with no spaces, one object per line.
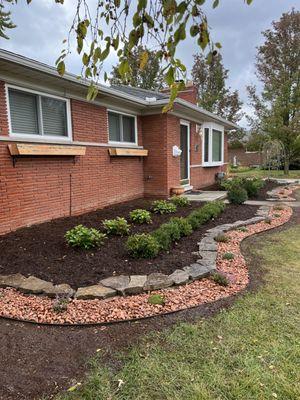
{"x":43,"y":25}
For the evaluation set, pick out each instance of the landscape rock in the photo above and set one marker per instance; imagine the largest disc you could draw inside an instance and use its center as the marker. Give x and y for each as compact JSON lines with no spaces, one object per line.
{"x":197,"y":271}
{"x":136,"y":284}
{"x":208,"y":258}
{"x":157,"y":281}
{"x":14,"y":280}
{"x":59,"y":290}
{"x":119,"y":283}
{"x":210,"y":246}
{"x":179,"y":277}
{"x":34,"y":285}
{"x":94,"y":292}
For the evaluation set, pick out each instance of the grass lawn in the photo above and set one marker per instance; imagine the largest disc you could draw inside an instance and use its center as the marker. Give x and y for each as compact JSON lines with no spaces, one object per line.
{"x":259,"y":173}
{"x":250,"y":351}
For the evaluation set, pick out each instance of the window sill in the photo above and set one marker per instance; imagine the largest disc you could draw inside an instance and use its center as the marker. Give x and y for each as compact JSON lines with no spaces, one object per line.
{"x":211,"y":165}
{"x":22,"y":149}
{"x":123,"y":152}
{"x":123,"y":144}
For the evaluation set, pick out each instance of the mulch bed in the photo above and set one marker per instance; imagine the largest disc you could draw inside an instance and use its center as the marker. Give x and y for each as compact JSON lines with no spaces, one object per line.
{"x":41,"y":250}
{"x":37,"y":309}
{"x":29,"y":352}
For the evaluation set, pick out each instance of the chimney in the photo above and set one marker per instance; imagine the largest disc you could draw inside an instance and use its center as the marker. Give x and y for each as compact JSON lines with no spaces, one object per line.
{"x":189,"y":93}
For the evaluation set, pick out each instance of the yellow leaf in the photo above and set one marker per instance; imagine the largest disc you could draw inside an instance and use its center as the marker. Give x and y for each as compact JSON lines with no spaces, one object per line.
{"x":144,"y":59}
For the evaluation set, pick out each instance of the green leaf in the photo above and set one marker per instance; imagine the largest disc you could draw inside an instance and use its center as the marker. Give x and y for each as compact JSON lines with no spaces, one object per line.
{"x":92,"y":93}
{"x":61,"y":68}
{"x":249,"y":2}
{"x":218,"y":45}
{"x":123,"y":68}
{"x":85,"y":59}
{"x":170,"y":76}
{"x":215,"y":3}
{"x":194,"y":30}
{"x":142,"y":4}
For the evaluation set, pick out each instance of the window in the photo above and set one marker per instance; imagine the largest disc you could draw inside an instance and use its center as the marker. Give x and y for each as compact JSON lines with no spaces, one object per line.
{"x":35,"y":114}
{"x":213,"y":145}
{"x":122,"y":128}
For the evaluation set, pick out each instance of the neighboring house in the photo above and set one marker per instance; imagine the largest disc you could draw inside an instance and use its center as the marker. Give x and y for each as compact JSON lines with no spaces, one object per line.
{"x":244,"y":158}
{"x":61,"y":155}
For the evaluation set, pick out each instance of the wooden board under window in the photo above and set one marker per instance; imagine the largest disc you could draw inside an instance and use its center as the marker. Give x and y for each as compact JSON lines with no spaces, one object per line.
{"x":24,"y":149}
{"x":118,"y":151}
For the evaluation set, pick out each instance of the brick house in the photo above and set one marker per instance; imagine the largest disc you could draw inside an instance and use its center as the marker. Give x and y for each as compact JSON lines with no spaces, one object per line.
{"x":61,"y":155}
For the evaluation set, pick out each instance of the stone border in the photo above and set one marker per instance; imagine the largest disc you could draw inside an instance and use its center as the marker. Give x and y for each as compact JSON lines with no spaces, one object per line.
{"x":135,"y":284}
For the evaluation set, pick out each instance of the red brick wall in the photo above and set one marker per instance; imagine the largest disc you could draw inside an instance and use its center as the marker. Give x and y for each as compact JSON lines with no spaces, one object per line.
{"x":243,"y":158}
{"x":40,"y":189}
{"x":3,"y":110}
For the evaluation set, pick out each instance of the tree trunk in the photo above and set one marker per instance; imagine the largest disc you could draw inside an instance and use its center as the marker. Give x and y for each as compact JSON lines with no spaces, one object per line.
{"x":286,"y":166}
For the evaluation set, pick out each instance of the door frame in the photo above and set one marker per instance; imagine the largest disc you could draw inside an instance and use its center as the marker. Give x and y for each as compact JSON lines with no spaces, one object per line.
{"x":188,"y":125}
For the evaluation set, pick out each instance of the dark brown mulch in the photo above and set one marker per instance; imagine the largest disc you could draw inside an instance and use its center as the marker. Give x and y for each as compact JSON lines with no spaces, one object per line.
{"x":41,"y":250}
{"x":43,"y":360}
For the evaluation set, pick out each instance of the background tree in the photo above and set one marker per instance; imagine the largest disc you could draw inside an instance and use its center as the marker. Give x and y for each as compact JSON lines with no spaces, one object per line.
{"x":150,"y":77}
{"x":277,"y":109}
{"x":213,"y":95}
{"x":122,"y":26}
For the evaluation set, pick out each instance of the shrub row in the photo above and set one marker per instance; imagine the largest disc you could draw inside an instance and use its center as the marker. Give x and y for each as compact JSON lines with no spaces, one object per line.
{"x":149,"y":245}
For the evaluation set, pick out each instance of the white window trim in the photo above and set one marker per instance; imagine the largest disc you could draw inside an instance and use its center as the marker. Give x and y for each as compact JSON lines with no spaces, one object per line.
{"x":43,"y":138}
{"x":115,"y":142}
{"x":210,"y":162}
{"x":187,"y":123}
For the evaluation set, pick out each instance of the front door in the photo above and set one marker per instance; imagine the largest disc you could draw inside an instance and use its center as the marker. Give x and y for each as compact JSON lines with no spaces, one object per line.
{"x":184,"y":158}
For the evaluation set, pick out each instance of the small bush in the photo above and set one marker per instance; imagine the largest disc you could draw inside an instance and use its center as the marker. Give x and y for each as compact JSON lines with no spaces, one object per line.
{"x":142,"y":246}
{"x":140,"y":216}
{"x":163,"y":207}
{"x":180,"y":201}
{"x":220,"y":279}
{"x":166,"y":234}
{"x":228,"y":256}
{"x":205,"y":213}
{"x":243,"y":229}
{"x":221,"y":238}
{"x":61,"y":303}
{"x":279,"y":207}
{"x":117,"y":226}
{"x":252,"y":186}
{"x":156,"y":299}
{"x":276,"y":215}
{"x":237,"y":195}
{"x":268,"y":220}
{"x":185,"y":228}
{"x":84,"y":238}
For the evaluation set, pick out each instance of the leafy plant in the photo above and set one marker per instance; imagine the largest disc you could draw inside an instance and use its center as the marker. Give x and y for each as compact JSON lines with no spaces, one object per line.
{"x":221,"y":238}
{"x":61,"y":303}
{"x":252,"y":186}
{"x":243,"y":229}
{"x":142,"y":246}
{"x":117,"y":226}
{"x":163,"y":207}
{"x":237,"y":195}
{"x":276,"y":215}
{"x":180,"y":201}
{"x":268,"y":220}
{"x":220,"y":279}
{"x":156,"y":299}
{"x":228,"y":256}
{"x":140,"y":216}
{"x":85,"y":238}
{"x":205,"y":213}
{"x":166,"y":234}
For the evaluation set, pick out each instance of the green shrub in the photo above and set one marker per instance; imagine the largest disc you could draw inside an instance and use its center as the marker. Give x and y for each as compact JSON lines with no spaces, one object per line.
{"x":279,"y":207}
{"x":142,"y":246}
{"x":252,"y":186}
{"x":268,"y":220}
{"x":166,"y":234}
{"x":228,"y":256}
{"x":220,"y":279}
{"x":156,"y":299}
{"x":84,"y":238}
{"x":221,"y":238}
{"x":185,"y":228}
{"x":117,"y":226}
{"x":205,"y":213}
{"x":237,"y":195}
{"x":140,"y":216}
{"x":276,"y":215}
{"x":180,"y":201}
{"x":243,"y":229}
{"x":163,"y":207}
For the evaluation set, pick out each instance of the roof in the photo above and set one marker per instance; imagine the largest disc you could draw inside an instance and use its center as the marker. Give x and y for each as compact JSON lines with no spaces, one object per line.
{"x":141,"y":93}
{"x":145,"y":99}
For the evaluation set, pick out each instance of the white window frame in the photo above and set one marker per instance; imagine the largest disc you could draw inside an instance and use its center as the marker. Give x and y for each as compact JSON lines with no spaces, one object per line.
{"x":135,"y":143}
{"x":41,"y":136}
{"x":210,"y":162}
